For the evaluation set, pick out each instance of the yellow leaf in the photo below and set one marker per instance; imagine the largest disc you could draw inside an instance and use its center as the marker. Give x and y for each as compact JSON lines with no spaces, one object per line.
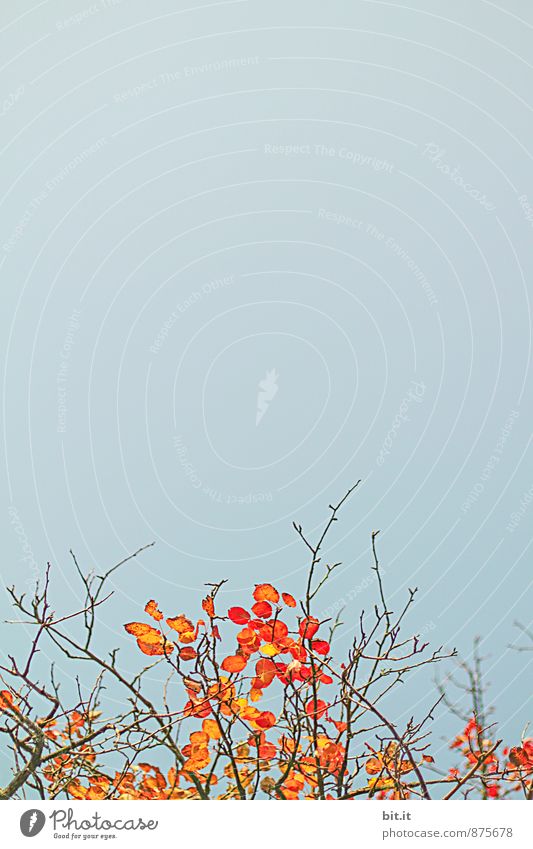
{"x":269,"y":650}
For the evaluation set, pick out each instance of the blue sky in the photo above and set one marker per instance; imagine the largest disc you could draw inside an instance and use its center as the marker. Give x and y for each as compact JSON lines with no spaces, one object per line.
{"x":249,"y":255}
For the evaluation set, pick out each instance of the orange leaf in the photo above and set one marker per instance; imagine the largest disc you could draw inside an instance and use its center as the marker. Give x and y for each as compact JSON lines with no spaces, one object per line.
{"x":184,"y":627}
{"x":239,"y":615}
{"x":209,"y":606}
{"x":289,"y":600}
{"x":265,"y":670}
{"x":192,"y":685}
{"x":234,"y":663}
{"x":152,"y":649}
{"x":180,"y":624}
{"x":374,"y":766}
{"x":246,"y":637}
{"x":75,"y":720}
{"x":140,"y":629}
{"x":266,"y":592}
{"x":76,"y":789}
{"x":210,"y":727}
{"x":6,"y":700}
{"x":187,"y":637}
{"x":199,"y":738}
{"x":152,"y":610}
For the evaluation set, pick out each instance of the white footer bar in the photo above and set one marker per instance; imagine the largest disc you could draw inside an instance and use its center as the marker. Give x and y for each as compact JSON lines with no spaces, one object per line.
{"x":269,"y":825}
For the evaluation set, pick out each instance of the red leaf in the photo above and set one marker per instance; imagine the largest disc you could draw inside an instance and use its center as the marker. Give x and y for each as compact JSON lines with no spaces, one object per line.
{"x":239,"y":615}
{"x":265,"y":720}
{"x":262,"y":609}
{"x":274,"y":631}
{"x":267,"y":751}
{"x":308,"y":627}
{"x":188,"y":653}
{"x":316,"y":708}
{"x":519,"y":757}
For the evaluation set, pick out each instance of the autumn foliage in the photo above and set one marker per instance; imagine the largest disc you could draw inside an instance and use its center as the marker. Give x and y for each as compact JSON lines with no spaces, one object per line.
{"x":253,"y":704}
